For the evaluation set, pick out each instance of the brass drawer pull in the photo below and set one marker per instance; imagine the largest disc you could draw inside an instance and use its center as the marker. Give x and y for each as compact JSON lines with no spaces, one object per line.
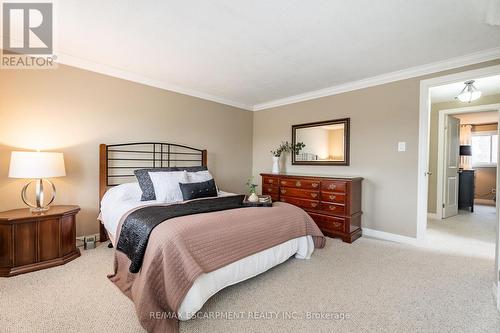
{"x":298,"y":184}
{"x":270,"y":189}
{"x":270,"y":181}
{"x":314,"y":204}
{"x":283,"y":182}
{"x":332,"y":207}
{"x":332,"y":186}
{"x":314,"y":185}
{"x":337,"y":224}
{"x":314,"y":195}
{"x":333,"y":197}
{"x":283,"y":191}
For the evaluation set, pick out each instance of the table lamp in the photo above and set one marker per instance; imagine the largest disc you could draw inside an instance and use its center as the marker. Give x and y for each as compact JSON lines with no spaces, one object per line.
{"x":37,"y":166}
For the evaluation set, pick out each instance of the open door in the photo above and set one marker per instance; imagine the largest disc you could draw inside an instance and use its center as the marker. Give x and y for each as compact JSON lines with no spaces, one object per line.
{"x":451,"y":163}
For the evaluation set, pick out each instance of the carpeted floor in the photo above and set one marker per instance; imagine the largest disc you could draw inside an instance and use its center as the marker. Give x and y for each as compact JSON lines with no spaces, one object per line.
{"x":379,"y":286}
{"x":467,"y":234}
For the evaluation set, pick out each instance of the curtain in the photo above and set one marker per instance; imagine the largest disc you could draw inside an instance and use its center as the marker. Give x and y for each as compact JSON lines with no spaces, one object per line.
{"x":466,"y":139}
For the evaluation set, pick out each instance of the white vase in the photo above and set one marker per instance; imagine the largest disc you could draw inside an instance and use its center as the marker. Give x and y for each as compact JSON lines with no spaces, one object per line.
{"x":253,"y":197}
{"x":276,"y":164}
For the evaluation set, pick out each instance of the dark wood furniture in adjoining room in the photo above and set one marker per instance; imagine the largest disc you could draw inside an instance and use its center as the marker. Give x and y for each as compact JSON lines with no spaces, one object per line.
{"x":333,"y":203}
{"x":30,"y":242}
{"x":466,"y":188}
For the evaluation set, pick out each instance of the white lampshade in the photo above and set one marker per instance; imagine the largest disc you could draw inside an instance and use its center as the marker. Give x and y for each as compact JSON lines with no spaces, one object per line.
{"x":36,"y":165}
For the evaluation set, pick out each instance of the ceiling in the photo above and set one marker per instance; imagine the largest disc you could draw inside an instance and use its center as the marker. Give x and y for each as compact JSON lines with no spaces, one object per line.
{"x":447,"y":93}
{"x":249,"y":53}
{"x":488,"y":117}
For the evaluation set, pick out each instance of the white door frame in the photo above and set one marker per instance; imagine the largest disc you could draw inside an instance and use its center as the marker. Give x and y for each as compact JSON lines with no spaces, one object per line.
{"x":423,"y":138}
{"x":441,"y":142}
{"x":423,"y":154}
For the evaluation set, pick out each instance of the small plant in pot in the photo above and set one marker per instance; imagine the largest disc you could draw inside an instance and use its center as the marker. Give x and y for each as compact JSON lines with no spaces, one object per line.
{"x":283,"y":148}
{"x":253,"y":197}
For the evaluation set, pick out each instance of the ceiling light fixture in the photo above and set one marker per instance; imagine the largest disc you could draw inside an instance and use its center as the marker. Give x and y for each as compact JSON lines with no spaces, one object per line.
{"x":469,"y":93}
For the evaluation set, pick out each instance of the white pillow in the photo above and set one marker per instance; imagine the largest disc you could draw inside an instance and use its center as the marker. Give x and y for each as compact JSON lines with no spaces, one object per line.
{"x":123,"y":192}
{"x":199,"y":176}
{"x":166,"y":185}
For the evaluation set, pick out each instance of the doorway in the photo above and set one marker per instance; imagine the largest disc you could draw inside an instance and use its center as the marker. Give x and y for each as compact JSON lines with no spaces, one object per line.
{"x":424,"y":173}
{"x":464,"y":186}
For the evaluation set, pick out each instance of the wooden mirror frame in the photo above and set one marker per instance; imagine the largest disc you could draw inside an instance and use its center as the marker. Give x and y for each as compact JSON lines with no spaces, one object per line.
{"x":347,"y":133}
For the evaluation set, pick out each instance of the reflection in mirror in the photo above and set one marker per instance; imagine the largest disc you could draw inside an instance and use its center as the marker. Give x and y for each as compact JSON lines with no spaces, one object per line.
{"x":325,"y":142}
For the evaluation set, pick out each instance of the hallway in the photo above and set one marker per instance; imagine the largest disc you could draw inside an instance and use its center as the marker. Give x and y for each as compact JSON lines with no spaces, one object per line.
{"x":468,"y":234}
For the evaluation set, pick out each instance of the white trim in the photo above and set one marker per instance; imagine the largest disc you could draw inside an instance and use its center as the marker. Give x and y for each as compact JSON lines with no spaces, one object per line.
{"x":441,"y":143}
{"x":423,"y":137}
{"x":129,"y":76}
{"x":432,"y":216}
{"x":389,"y":237}
{"x":469,"y":59}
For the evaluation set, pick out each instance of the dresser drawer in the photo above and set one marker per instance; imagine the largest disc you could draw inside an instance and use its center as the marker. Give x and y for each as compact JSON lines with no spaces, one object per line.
{"x":333,"y":197}
{"x":328,"y":223}
{"x":332,"y":208}
{"x":300,"y":183}
{"x":267,"y":180}
{"x":334,"y":186}
{"x":271,"y":190}
{"x":300,"y":193}
{"x":303,"y":203}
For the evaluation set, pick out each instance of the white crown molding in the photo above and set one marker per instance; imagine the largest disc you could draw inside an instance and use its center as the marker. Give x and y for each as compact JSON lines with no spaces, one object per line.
{"x":469,"y":59}
{"x":137,"y":78}
{"x":389,"y":236}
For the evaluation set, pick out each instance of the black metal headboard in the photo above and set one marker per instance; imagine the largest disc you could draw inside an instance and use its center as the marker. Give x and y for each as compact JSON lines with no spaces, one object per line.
{"x":118,"y":162}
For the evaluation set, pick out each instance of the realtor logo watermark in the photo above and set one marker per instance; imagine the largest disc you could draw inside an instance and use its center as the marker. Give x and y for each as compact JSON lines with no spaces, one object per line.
{"x":27,"y":35}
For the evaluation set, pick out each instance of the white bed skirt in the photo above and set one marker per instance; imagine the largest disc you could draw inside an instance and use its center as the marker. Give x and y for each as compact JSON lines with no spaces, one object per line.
{"x":207,"y":285}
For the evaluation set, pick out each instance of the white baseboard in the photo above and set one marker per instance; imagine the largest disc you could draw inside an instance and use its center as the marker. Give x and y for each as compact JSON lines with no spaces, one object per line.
{"x":432,"y":216}
{"x":389,"y":237}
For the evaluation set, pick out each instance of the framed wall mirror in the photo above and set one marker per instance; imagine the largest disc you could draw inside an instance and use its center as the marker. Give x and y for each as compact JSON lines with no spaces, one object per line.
{"x":326,"y":142}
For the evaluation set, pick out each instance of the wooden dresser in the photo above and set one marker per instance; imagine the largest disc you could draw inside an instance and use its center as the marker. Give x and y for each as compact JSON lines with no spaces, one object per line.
{"x":333,"y":203}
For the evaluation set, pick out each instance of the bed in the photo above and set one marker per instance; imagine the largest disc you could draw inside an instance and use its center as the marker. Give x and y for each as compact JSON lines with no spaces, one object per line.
{"x":175,"y":286}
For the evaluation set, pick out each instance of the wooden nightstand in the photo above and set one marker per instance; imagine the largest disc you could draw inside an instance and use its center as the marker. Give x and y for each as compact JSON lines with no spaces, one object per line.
{"x":29,"y":242}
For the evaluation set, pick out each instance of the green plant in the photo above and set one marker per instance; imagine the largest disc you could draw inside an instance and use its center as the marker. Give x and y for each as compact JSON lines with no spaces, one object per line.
{"x":251,"y":186}
{"x":288,"y":147}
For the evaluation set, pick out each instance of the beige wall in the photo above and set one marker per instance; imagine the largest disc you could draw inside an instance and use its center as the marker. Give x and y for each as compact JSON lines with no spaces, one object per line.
{"x":380,"y":117}
{"x":73,"y":111}
{"x":433,"y":141}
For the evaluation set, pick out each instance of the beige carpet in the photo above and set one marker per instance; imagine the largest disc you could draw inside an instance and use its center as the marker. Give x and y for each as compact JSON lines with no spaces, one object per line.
{"x":467,"y":234}
{"x":381,"y":286}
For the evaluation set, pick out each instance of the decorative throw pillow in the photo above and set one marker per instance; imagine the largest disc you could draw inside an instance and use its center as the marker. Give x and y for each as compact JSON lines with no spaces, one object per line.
{"x":166,"y":185}
{"x":144,"y":180}
{"x":198,"y":190}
